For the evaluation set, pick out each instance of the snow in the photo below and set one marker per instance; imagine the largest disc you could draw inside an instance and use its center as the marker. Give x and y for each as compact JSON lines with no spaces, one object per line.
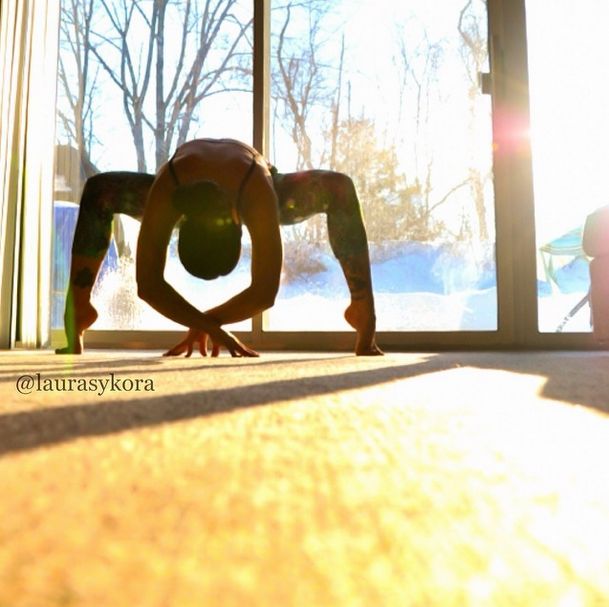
{"x":418,"y":287}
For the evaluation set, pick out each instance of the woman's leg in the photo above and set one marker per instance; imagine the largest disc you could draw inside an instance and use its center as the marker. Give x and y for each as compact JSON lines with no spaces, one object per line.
{"x":307,"y":193}
{"x":104,"y":195}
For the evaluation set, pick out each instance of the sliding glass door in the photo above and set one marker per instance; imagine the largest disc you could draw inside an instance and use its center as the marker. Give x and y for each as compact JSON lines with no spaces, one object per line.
{"x":569,"y":88}
{"x":136,"y":79}
{"x":398,"y":107}
{"x":473,"y":212}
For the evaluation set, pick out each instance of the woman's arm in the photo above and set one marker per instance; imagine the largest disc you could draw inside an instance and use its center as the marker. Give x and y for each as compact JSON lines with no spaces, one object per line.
{"x":155,"y":232}
{"x":261,"y":218}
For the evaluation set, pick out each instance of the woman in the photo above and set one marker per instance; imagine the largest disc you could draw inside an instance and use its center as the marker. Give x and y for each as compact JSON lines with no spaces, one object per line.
{"x":211,"y":188}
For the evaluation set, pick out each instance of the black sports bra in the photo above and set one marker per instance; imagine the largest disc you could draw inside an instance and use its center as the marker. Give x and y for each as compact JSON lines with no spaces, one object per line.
{"x":241,"y":185}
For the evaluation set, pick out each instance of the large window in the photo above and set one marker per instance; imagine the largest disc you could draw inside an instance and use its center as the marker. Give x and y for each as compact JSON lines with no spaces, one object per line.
{"x":569,"y":87}
{"x":403,"y":115}
{"x":471,"y":241}
{"x":136,"y":79}
{"x":398,"y":107}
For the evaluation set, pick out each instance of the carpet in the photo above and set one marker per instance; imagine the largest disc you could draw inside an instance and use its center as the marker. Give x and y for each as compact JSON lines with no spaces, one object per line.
{"x":304,"y":479}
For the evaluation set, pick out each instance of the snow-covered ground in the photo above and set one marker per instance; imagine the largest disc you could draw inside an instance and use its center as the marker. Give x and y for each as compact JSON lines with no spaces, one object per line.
{"x":418,"y":287}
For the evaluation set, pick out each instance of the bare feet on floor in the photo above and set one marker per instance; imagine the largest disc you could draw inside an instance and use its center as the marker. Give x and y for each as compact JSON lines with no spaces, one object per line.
{"x":77,"y":321}
{"x":360,"y":315}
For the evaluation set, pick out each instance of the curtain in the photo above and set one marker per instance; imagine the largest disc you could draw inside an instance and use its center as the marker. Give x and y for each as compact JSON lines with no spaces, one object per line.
{"x":29,"y":34}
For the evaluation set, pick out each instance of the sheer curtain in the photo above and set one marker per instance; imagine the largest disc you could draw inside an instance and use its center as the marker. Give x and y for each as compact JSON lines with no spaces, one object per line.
{"x":29,"y":32}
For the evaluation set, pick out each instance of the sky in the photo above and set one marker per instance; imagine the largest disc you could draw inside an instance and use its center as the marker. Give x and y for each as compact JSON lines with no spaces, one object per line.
{"x":569,"y":89}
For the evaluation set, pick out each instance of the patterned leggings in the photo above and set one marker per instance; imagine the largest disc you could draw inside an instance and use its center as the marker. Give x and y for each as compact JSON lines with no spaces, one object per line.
{"x":301,"y":195}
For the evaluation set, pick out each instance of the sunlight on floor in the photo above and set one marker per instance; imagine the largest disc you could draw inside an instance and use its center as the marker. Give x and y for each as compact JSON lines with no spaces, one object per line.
{"x":444,"y":480}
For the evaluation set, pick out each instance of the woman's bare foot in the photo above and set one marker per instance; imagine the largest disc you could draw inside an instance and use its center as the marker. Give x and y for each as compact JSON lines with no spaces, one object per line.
{"x":367,"y":348}
{"x":77,"y":321}
{"x":360,"y":315}
{"x":73,"y":347}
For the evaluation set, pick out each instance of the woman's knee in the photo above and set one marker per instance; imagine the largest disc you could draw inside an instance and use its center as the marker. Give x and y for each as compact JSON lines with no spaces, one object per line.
{"x":94,"y":194}
{"x":343,"y":193}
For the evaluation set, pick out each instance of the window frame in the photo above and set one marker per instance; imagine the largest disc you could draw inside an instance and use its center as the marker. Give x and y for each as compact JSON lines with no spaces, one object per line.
{"x":514,"y":217}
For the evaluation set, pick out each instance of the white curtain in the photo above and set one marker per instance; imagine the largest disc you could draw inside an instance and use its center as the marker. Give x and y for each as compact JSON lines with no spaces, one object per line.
{"x":29,"y":33}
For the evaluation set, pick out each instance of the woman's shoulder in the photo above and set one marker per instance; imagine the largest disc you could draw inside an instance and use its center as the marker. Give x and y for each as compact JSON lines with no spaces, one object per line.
{"x":215,"y":146}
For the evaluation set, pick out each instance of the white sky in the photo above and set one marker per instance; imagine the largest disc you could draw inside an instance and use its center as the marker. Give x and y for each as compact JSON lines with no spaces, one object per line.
{"x":569,"y":87}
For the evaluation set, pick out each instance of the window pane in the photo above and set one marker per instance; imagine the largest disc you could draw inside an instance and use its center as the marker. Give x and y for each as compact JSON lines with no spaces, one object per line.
{"x":396,"y":106}
{"x":569,"y":91}
{"x":110,"y":119}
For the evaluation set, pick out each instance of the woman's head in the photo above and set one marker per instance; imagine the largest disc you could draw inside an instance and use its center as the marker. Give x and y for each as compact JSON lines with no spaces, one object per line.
{"x":209,"y":242}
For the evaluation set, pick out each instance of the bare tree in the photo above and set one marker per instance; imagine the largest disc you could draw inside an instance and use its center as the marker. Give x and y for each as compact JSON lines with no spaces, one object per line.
{"x":418,"y":68}
{"x":474,"y":53}
{"x":135,"y":65}
{"x":336,"y":107}
{"x":474,"y":50}
{"x":299,"y":78}
{"x":199,"y":76}
{"x":161,"y":84}
{"x":301,"y":84}
{"x":77,"y":79}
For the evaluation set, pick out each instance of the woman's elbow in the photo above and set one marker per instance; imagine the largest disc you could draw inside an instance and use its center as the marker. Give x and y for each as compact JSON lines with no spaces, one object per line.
{"x":147,"y":289}
{"x":268,"y":302}
{"x":265,"y":298}
{"x":143,"y":292}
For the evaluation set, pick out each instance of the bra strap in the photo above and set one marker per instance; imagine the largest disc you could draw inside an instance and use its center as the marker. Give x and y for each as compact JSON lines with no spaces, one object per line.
{"x":244,"y":181}
{"x":173,"y":172}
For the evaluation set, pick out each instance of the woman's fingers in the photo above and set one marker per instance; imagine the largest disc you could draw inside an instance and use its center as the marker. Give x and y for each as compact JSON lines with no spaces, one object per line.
{"x":235,"y":347}
{"x":245,"y":351}
{"x":203,"y":344}
{"x":187,"y":345}
{"x":176,"y":350}
{"x":223,"y":338}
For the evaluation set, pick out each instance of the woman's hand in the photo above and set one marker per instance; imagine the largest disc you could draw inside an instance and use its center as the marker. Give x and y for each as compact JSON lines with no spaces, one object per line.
{"x":219,"y":337}
{"x":187,"y":345}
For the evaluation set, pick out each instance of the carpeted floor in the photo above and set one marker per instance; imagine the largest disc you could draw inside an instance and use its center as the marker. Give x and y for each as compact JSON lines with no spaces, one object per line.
{"x":453,"y":479}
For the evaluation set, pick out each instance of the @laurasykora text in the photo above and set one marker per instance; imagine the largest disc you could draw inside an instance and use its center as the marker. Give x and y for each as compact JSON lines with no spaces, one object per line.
{"x":36,"y":382}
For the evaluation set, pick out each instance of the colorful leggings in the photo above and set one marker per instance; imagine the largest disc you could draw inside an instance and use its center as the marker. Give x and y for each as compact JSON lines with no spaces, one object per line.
{"x":301,"y":195}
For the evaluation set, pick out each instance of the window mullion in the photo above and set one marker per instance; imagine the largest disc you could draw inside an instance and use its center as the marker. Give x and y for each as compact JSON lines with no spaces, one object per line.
{"x":261,"y":100}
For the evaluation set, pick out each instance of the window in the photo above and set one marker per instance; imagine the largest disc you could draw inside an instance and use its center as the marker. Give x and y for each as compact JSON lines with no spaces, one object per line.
{"x":135,"y":80}
{"x":568,"y":72}
{"x":466,"y":247}
{"x":398,"y":107}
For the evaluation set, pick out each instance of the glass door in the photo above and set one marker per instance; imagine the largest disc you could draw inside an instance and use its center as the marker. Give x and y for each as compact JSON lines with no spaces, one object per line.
{"x":136,"y":79}
{"x":389,"y":93}
{"x":398,"y":106}
{"x":569,"y":94}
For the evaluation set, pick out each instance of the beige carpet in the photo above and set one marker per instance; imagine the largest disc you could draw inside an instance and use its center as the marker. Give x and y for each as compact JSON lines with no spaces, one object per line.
{"x":421,"y":480}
